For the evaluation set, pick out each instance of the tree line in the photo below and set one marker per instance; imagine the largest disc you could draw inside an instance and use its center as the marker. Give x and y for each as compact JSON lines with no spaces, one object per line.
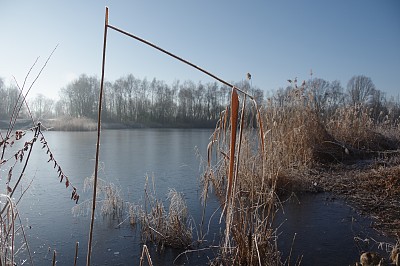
{"x":133,"y":101}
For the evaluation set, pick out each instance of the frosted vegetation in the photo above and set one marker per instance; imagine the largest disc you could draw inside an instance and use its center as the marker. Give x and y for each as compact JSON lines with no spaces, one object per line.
{"x":135,"y":102}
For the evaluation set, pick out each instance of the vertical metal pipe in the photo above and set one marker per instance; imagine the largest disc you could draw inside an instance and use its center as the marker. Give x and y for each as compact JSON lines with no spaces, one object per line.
{"x":89,"y":251}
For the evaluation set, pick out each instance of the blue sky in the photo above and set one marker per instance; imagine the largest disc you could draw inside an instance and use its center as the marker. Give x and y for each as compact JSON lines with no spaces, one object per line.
{"x":273,"y":40}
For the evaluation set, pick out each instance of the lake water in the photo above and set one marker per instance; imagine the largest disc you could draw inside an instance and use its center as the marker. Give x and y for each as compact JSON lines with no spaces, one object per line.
{"x":323,"y":228}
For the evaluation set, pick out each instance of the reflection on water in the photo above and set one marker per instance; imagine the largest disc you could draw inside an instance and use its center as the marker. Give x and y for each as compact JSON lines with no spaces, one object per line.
{"x":127,"y":157}
{"x":325,"y":231}
{"x":323,"y":228}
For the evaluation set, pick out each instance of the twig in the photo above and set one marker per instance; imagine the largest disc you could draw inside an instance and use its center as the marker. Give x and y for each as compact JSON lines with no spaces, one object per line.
{"x":76,"y":253}
{"x":291,"y":248}
{"x":54,"y":258}
{"x":145,"y":250}
{"x":24,"y":235}
{"x":258,"y":252}
{"x":156,"y":231}
{"x":193,"y":250}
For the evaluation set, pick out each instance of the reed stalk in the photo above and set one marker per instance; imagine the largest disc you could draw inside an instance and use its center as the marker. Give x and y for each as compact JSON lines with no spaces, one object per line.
{"x":54,"y":258}
{"x":76,"y":253}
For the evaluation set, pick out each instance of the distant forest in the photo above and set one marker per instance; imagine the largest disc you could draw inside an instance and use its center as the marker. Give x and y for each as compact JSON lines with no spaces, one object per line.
{"x":140,"y":102}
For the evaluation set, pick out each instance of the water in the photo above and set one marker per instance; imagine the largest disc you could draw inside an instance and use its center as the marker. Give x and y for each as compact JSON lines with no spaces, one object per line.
{"x":127,"y":157}
{"x":324,"y":228}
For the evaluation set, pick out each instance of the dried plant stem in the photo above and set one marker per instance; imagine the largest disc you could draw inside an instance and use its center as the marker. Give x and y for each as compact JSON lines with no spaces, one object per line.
{"x":26,"y":241}
{"x":17,"y":108}
{"x":229,"y":201}
{"x":291,"y":249}
{"x":258,"y":252}
{"x":76,"y":253}
{"x":89,"y":252}
{"x":145,"y":251}
{"x":8,"y":228}
{"x":20,"y":176}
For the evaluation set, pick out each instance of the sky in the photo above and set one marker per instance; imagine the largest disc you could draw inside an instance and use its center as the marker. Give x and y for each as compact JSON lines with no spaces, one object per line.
{"x":272,"y":40}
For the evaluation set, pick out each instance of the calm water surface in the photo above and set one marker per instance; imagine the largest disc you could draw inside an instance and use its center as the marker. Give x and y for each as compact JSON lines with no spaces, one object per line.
{"x":127,"y":157}
{"x":323,"y":228}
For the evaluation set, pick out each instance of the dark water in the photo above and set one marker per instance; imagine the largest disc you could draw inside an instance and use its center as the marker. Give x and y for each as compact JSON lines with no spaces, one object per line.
{"x":324,"y":228}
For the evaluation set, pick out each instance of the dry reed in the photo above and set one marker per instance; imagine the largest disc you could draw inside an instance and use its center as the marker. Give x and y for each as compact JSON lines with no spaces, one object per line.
{"x":247,"y":193}
{"x":72,"y":124}
{"x":165,"y":227}
{"x":295,"y":141}
{"x":108,"y":197}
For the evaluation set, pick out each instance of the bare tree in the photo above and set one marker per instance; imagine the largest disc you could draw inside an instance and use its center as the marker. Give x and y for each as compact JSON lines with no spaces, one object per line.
{"x":360,"y":89}
{"x":42,"y":107}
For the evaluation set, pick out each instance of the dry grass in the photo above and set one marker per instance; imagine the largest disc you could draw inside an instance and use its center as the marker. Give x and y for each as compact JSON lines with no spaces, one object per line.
{"x":109,"y":200}
{"x":355,"y":126}
{"x":165,"y":227}
{"x":241,"y":178}
{"x":72,"y":124}
{"x":249,"y":167}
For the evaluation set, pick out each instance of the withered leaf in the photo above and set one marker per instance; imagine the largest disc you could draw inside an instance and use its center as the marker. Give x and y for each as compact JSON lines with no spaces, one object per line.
{"x":10,"y":174}
{"x":77,"y":198}
{"x":73,"y":194}
{"x":9,"y":189}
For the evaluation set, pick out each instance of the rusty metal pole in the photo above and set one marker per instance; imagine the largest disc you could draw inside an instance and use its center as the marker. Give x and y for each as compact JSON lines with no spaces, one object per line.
{"x":180,"y":59}
{"x":89,"y":251}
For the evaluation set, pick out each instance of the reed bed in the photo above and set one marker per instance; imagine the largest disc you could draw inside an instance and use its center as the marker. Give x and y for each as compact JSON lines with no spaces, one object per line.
{"x":164,"y":226}
{"x":356,"y":126}
{"x":109,"y":198}
{"x":72,"y":124}
{"x":239,"y":173}
{"x":294,"y":148}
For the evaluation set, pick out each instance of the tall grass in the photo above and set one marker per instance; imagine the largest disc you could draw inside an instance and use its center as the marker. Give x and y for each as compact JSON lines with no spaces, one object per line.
{"x":248,"y":167}
{"x":164,"y":226}
{"x":238,"y":172}
{"x":72,"y":124}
